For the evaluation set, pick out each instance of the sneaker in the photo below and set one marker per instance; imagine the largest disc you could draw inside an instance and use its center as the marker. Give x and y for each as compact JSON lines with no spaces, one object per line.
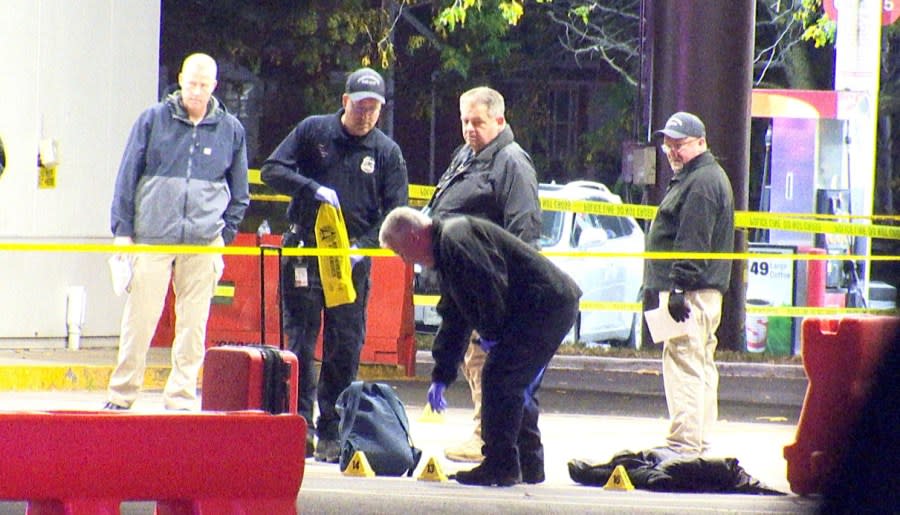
{"x":111,"y":406}
{"x":466,"y":452}
{"x":328,"y":451}
{"x":488,"y":476}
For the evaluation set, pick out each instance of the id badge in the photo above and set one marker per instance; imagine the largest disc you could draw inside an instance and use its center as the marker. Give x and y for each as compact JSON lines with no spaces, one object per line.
{"x":301,"y":279}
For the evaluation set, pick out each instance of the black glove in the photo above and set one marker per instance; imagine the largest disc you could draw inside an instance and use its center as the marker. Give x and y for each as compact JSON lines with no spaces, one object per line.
{"x":678,"y":306}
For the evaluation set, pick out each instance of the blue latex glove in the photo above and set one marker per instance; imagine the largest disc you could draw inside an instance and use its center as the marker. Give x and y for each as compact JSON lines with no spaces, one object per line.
{"x":328,"y":195}
{"x":436,"y":397}
{"x":486,"y":345}
{"x":355,"y":258}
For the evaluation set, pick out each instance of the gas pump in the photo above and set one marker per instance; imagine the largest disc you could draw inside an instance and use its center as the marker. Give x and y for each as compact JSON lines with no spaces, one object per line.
{"x":808,"y":171}
{"x":805,"y":171}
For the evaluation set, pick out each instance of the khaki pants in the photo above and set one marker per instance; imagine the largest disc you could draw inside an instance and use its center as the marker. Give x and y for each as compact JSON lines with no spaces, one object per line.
{"x":690,"y":375}
{"x":194,"y":278}
{"x":473,"y":363}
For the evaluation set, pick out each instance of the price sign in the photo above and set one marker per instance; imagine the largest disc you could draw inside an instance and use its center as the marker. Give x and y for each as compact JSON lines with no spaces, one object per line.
{"x":771,"y":280}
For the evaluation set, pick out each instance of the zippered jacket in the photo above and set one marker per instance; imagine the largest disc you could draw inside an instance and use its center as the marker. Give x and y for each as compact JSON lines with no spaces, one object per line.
{"x":180,"y":183}
{"x":368,"y":173}
{"x":494,"y":283}
{"x":696,"y":215}
{"x":498,"y":184}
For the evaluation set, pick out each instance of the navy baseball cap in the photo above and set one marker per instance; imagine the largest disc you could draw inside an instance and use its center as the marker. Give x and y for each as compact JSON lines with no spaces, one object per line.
{"x":365,"y":83}
{"x":683,"y":125}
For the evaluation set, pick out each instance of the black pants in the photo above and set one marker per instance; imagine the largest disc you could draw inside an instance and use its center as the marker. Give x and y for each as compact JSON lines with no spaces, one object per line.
{"x":342,"y":341}
{"x":510,"y":381}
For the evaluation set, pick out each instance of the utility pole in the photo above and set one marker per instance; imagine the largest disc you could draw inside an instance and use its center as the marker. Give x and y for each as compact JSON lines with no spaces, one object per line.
{"x":702,"y":54}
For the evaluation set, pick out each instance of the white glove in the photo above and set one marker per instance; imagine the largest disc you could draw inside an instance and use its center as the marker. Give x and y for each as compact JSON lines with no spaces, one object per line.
{"x":327,"y":195}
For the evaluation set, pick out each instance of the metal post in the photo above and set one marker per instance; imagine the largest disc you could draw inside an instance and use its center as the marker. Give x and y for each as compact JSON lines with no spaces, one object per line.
{"x":702,"y":55}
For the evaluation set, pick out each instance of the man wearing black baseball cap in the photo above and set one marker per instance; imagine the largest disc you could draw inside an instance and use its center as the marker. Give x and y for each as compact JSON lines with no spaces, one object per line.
{"x":341,"y":159}
{"x":365,"y":83}
{"x":696,"y":215}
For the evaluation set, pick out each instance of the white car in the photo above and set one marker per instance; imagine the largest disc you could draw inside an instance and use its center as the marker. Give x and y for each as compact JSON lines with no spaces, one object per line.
{"x":616,"y":279}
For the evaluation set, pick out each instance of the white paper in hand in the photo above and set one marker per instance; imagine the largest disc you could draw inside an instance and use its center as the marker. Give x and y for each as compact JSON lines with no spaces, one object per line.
{"x":120,"y":273}
{"x":663,"y":327}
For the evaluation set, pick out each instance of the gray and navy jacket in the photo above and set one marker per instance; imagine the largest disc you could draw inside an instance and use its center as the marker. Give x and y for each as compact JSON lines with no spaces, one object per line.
{"x":498,"y":184}
{"x":696,"y":215}
{"x":368,"y":173}
{"x":181,"y":183}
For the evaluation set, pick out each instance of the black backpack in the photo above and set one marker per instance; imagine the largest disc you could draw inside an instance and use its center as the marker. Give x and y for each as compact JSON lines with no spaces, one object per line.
{"x":374,"y":421}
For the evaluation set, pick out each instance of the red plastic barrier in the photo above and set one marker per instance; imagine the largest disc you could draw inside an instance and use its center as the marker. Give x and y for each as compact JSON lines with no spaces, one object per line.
{"x":200,"y":463}
{"x":234,"y":318}
{"x":840,"y":356}
{"x":390,"y":324}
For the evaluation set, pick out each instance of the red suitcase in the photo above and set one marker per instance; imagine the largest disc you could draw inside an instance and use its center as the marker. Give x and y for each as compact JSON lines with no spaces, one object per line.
{"x":251,"y":377}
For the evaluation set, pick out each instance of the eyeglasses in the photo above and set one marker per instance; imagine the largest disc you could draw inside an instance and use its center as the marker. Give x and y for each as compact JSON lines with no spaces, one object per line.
{"x":365,"y":110}
{"x":676,"y":147}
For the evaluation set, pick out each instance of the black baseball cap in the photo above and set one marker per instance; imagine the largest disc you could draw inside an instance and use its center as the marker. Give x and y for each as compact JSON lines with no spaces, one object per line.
{"x":683,"y":125}
{"x":365,"y":83}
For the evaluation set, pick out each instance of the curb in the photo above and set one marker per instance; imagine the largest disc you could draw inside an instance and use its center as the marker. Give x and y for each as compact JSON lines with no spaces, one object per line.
{"x":48,"y":371}
{"x":600,"y":364}
{"x":45,"y":377}
{"x":25,"y":376}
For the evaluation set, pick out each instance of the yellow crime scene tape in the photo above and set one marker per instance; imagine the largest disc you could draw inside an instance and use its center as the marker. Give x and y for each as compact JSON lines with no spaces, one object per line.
{"x":419,"y":194}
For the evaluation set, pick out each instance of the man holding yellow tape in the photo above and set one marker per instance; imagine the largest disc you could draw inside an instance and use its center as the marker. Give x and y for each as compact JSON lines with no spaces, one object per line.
{"x":696,"y":215}
{"x":343,"y":160}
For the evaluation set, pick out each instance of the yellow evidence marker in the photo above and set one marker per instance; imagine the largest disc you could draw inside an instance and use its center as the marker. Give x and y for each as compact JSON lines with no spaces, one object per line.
{"x":432,"y":471}
{"x":619,"y":480}
{"x":359,"y":466}
{"x":431,"y":416}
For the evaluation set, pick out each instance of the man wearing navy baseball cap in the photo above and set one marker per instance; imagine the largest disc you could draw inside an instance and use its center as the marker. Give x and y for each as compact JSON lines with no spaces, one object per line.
{"x":344,"y":160}
{"x":696,"y":215}
{"x":365,"y":83}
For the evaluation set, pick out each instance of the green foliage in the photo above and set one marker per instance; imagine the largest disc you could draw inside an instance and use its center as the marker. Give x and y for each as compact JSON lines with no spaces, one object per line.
{"x":818,"y":28}
{"x":510,"y":10}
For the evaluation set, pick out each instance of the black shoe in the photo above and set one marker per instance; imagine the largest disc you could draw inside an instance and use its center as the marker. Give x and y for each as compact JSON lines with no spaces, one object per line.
{"x":310,"y":446}
{"x":533,"y":475}
{"x":328,"y":451}
{"x":488,"y":476}
{"x":111,"y":406}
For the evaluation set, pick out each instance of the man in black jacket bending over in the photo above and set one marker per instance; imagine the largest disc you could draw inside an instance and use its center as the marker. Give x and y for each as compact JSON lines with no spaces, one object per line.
{"x":522,"y":306}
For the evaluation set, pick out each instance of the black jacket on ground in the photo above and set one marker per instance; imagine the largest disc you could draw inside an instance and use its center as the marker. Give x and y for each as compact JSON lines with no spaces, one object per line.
{"x":490,"y":281}
{"x":696,"y":215}
{"x":368,"y":173}
{"x":656,"y":470}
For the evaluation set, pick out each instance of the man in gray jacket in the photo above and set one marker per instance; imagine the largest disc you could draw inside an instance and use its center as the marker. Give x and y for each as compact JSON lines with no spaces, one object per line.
{"x":182,"y":180}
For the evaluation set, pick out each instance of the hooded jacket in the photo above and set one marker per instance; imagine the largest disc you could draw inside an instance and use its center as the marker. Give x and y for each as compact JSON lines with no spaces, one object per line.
{"x":180,"y":183}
